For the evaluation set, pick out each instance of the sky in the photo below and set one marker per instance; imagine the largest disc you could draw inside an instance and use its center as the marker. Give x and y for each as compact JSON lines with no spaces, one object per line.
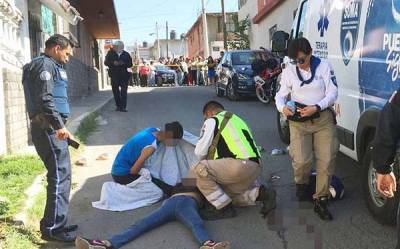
{"x":137,"y":19}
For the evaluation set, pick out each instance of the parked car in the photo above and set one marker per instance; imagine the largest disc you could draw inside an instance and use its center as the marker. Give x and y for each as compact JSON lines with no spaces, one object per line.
{"x":361,"y":41}
{"x":235,"y":76}
{"x":164,"y":75}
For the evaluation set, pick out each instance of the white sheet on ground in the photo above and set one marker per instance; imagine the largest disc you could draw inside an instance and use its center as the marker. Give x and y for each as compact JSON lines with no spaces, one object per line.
{"x":140,"y":193}
{"x":168,"y":164}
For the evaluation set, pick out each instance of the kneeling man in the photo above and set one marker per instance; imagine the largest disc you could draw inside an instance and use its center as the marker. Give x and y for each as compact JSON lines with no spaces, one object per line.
{"x":132,"y":156}
{"x":232,"y":164}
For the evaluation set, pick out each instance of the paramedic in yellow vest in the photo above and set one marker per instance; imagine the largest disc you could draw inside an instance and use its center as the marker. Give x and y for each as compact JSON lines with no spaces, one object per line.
{"x":227,"y":176}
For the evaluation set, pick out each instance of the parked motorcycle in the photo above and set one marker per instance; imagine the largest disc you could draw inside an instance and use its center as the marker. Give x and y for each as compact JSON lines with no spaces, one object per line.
{"x":266,"y":76}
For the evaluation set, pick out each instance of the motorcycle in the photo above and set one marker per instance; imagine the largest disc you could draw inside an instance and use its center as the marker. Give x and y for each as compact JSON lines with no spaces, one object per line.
{"x":266,"y":77}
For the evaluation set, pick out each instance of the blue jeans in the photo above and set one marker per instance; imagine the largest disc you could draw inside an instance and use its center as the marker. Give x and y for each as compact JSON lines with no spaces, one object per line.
{"x":181,"y":207}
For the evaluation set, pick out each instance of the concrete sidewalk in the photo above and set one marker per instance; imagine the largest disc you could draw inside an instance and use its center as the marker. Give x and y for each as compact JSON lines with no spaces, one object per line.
{"x":84,"y":106}
{"x":80,"y":109}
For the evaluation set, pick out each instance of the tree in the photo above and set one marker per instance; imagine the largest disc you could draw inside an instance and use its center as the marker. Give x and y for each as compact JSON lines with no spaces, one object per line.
{"x":240,"y":38}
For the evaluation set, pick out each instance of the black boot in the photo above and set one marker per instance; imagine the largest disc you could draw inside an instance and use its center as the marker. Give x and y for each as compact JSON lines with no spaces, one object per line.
{"x":211,"y":213}
{"x":60,"y":237}
{"x":321,"y":208}
{"x":268,"y":199}
{"x":301,"y":192}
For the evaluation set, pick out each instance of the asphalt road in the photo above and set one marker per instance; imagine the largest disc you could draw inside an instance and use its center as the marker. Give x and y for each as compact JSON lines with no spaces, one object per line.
{"x":291,"y":226}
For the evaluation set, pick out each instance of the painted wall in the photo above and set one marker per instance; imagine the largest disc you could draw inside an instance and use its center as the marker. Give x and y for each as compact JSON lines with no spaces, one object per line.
{"x":281,"y":16}
{"x":14,"y":53}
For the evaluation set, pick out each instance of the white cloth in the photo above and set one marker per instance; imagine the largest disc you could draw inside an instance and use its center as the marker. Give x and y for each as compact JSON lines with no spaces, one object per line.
{"x":206,"y":138}
{"x":169,"y":164}
{"x":139,"y":193}
{"x":322,"y":91}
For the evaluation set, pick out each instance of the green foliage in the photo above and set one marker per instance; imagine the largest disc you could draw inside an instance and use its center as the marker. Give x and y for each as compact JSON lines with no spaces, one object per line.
{"x":87,"y":127}
{"x":16,"y":174}
{"x":241,"y":39}
{"x":35,"y":212}
{"x":18,"y":237}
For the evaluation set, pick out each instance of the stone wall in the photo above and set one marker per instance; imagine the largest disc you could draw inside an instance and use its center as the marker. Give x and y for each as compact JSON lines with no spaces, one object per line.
{"x":15,"y":111}
{"x":82,"y":79}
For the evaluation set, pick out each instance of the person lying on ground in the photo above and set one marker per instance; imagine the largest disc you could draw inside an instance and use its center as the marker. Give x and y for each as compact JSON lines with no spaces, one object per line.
{"x":132,"y":156}
{"x":183,"y":206}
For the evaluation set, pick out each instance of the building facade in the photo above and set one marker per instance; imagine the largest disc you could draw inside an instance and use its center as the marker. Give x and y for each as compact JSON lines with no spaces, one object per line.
{"x":176,"y":48}
{"x":267,"y":17}
{"x":14,"y":53}
{"x":24,"y":27}
{"x":194,"y":37}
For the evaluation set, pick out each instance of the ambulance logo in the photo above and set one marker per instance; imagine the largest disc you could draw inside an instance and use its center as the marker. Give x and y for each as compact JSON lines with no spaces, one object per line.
{"x":323,"y":22}
{"x":349,"y":28}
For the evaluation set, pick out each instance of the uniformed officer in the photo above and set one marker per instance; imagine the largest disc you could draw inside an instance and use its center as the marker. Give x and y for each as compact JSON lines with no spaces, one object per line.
{"x":230,"y":164}
{"x":387,"y":138}
{"x":45,"y":85}
{"x":312,"y":87}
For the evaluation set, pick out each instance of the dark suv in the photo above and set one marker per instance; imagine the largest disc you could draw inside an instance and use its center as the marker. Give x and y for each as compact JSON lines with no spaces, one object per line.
{"x":235,"y":76}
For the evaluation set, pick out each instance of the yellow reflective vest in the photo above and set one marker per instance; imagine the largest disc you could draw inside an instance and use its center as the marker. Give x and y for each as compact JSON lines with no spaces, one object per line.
{"x":236,"y":139}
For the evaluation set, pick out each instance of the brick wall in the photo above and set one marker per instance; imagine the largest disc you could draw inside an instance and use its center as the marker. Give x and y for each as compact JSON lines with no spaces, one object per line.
{"x":82,"y":79}
{"x":15,"y":111}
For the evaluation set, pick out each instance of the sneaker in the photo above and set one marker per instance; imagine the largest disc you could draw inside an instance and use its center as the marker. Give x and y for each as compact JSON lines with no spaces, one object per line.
{"x":82,"y":243}
{"x":321,"y":208}
{"x":211,"y":213}
{"x":215,"y":245}
{"x":301,"y":192}
{"x":268,"y":199}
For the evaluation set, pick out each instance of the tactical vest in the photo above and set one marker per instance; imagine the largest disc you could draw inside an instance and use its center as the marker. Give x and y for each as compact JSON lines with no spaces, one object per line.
{"x":236,"y":140}
{"x":60,"y":91}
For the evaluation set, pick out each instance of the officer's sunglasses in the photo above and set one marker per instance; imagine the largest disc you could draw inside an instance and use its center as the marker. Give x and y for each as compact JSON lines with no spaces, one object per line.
{"x":299,"y":61}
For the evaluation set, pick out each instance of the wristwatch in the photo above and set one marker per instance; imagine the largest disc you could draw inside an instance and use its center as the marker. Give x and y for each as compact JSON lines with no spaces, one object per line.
{"x":318,"y":108}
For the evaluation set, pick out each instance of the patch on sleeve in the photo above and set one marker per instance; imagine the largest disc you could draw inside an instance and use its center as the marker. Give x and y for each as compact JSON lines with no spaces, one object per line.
{"x":203,"y":129}
{"x":45,"y":76}
{"x":333,"y":78}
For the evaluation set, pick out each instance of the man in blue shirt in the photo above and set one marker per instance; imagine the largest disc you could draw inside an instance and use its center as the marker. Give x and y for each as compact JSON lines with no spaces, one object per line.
{"x":131,"y":157}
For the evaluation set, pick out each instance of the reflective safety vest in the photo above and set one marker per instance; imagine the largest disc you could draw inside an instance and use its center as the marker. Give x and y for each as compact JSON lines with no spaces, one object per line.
{"x":236,"y":139}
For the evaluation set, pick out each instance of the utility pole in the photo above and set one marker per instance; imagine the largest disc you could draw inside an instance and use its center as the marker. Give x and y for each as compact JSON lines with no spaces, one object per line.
{"x":158,"y":43}
{"x":224,"y":25}
{"x":205,"y":30}
{"x":166,"y":27}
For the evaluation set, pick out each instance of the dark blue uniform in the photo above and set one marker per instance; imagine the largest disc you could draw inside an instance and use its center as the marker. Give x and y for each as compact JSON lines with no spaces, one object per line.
{"x":45,"y":85}
{"x":386,"y":140}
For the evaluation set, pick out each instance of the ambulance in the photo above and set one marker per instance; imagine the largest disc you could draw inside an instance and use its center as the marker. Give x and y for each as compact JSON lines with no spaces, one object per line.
{"x":361,"y":40}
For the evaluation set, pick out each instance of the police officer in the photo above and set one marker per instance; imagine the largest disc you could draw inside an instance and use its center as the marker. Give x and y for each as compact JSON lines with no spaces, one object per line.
{"x":312,"y":87}
{"x":387,"y":138}
{"x":45,"y":85}
{"x":230,"y":164}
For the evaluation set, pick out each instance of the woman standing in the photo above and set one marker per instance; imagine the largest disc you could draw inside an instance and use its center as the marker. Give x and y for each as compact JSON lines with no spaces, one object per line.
{"x":211,"y":64}
{"x":152,"y":78}
{"x":312,"y":86}
{"x":193,"y":71}
{"x":144,"y":72}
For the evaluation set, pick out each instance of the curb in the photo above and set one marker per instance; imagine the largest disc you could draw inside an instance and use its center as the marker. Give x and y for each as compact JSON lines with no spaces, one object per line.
{"x":73,"y":125}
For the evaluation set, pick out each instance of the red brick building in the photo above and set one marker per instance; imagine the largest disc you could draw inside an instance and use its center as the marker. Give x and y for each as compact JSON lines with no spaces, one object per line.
{"x":195,"y":41}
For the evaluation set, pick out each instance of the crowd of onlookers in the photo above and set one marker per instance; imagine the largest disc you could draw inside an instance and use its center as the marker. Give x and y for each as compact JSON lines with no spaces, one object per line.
{"x":195,"y":71}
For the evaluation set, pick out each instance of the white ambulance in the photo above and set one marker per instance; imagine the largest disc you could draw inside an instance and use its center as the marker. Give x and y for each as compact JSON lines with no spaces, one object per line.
{"x":361,"y":39}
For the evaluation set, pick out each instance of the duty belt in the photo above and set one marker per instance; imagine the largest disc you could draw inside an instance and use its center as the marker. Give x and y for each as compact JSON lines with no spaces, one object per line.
{"x":42,"y":121}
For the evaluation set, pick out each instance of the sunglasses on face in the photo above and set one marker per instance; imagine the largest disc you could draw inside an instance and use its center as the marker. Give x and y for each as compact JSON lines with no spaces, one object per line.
{"x":299,"y":61}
